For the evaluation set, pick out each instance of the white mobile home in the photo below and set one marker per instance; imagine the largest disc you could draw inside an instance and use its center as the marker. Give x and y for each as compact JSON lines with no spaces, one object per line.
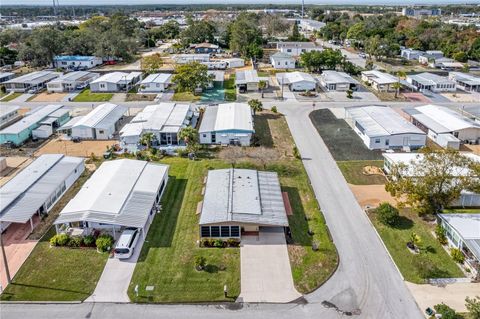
{"x":155,"y":83}
{"x":444,"y":126}
{"x":8,"y":114}
{"x":246,"y":80}
{"x":37,"y":188}
{"x":411,"y":54}
{"x":115,"y":82}
{"x":121,"y":193}
{"x":282,"y":61}
{"x":380,"y":81}
{"x":337,"y":81}
{"x":297,"y":81}
{"x":431,"y":82}
{"x":5,"y":76}
{"x":297,"y":48}
{"x":234,"y":63}
{"x":72,"y":81}
{"x":76,"y":62}
{"x":382,"y":128}
{"x":188,"y":58}
{"x":164,"y":120}
{"x":465,"y":81}
{"x":227,"y":124}
{"x":31,"y":81}
{"x":99,"y":124}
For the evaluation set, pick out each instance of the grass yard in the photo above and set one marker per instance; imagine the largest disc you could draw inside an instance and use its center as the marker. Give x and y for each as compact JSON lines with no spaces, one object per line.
{"x":432,"y":262}
{"x":185,"y":96}
{"x":167,"y":257}
{"x":343,"y":143}
{"x":87,"y":96}
{"x":56,"y":274}
{"x":230,"y":90}
{"x":10,"y":97}
{"x":353,"y":171}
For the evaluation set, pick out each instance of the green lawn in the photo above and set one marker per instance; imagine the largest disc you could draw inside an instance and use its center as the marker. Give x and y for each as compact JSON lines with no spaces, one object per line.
{"x":432,"y":262}
{"x":230,"y":90}
{"x":185,"y":96}
{"x":87,"y":96}
{"x":11,"y":97}
{"x":56,"y":274}
{"x":167,"y":257}
{"x":353,"y":171}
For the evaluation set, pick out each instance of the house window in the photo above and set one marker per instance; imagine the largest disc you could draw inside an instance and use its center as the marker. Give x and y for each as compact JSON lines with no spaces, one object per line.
{"x":234,"y":231}
{"x":289,"y":50}
{"x":387,"y":142}
{"x":204,"y":135}
{"x":101,"y":132}
{"x":205,"y":231}
{"x":102,"y":85}
{"x":225,"y":231}
{"x":215,"y":231}
{"x":377,"y":141}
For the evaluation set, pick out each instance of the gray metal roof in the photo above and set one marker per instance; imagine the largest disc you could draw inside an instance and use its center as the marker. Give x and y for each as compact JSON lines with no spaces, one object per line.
{"x":31,"y":119}
{"x":227,"y":116}
{"x":120,"y":192}
{"x":243,"y":196}
{"x":246,"y":76}
{"x":75,"y":76}
{"x":164,"y":78}
{"x":468,"y":228}
{"x":7,"y":109}
{"x":24,"y":194}
{"x":381,"y":121}
{"x":103,"y":116}
{"x":335,"y":77}
{"x":34,"y":78}
{"x":426,"y":78}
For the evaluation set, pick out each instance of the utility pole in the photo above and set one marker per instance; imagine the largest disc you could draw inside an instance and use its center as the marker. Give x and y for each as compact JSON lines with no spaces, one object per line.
{"x":7,"y":271}
{"x":303,"y":7}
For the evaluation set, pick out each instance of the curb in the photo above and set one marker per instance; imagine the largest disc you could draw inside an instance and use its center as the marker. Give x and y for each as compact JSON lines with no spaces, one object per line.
{"x":76,"y":302}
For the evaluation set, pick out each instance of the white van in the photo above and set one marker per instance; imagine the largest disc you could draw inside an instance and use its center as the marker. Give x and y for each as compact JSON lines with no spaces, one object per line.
{"x":126,"y":243}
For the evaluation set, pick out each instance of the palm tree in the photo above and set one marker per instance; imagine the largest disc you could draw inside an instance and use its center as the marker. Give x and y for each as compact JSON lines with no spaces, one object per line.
{"x":190,"y":136}
{"x":147,"y":139}
{"x":262,"y":85}
{"x":415,"y":240}
{"x":397,"y":87}
{"x":255,"y":105}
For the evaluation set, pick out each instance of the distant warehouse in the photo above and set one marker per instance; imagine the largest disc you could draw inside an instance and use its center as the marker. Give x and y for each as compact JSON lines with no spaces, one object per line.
{"x":382,"y":128}
{"x":36,"y":189}
{"x":41,"y":123}
{"x":121,"y":193}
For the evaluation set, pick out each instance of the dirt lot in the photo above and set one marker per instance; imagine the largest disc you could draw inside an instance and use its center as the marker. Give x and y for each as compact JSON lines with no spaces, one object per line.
{"x":475,"y":149}
{"x":49,"y":97}
{"x":460,"y":97}
{"x":416,"y":97}
{"x":371,"y":195}
{"x":341,"y":140}
{"x":14,"y":165}
{"x":84,"y":148}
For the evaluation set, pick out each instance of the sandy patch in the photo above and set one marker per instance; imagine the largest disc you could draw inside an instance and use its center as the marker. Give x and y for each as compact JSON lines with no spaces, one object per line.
{"x":49,"y":97}
{"x":475,"y":149}
{"x":371,"y":195}
{"x":82,"y":149}
{"x":372,"y":170}
{"x":14,"y":165}
{"x":460,"y":97}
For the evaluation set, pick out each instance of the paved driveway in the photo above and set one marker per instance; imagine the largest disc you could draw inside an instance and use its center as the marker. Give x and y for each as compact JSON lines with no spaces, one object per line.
{"x":266,"y":275}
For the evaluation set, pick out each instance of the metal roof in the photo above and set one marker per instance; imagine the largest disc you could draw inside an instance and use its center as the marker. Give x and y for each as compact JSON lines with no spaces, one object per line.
{"x":296,"y":45}
{"x":441,"y":119}
{"x":158,"y":78}
{"x":7,"y":109}
{"x":281,"y":55}
{"x":5,"y":74}
{"x":74,"y":58}
{"x":466,"y":78}
{"x":103,"y":116}
{"x":381,"y":121}
{"x":380,"y":77}
{"x":25,"y":193}
{"x":31,"y":119}
{"x":468,"y":227}
{"x":75,"y":76}
{"x":426,"y":78}
{"x":35,"y":77}
{"x":120,"y":192}
{"x":227,"y":116}
{"x":163,"y":117}
{"x":246,"y":76}
{"x":295,"y":77}
{"x":334,"y":77}
{"x":243,"y":196}
{"x":117,"y":77}
{"x":218,"y":76}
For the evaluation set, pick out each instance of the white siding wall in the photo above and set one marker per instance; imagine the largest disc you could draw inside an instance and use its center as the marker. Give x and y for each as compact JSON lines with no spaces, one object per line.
{"x":302,"y":86}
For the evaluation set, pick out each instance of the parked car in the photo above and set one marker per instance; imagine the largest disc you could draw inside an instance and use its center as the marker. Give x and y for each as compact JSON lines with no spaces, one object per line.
{"x":362,"y":55}
{"x":126,"y":243}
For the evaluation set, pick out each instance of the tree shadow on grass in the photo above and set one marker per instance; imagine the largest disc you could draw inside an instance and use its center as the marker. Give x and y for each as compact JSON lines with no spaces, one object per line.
{"x":263,"y":133}
{"x":298,"y":222}
{"x":403,"y":223}
{"x":162,"y":230}
{"x":7,"y":295}
{"x":211,"y":269}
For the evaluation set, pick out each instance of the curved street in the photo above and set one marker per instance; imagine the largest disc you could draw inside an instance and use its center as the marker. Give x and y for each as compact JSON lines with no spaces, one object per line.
{"x":366,"y":284}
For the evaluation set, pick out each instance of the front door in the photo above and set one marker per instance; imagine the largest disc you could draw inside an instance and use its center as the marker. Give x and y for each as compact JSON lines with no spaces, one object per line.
{"x":169,"y":139}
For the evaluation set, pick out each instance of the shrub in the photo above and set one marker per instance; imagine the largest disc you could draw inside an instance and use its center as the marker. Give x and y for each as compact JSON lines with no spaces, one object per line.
{"x":218,"y":243}
{"x":89,"y":240}
{"x":387,"y":214}
{"x":59,"y":240}
{"x":440,"y":233}
{"x":207,"y":242}
{"x":75,"y":241}
{"x":274,"y":109}
{"x":457,"y":255}
{"x":200,"y":262}
{"x":232,"y":242}
{"x":473,"y":306}
{"x":445,"y":311}
{"x":104,"y":242}
{"x":296,"y":153}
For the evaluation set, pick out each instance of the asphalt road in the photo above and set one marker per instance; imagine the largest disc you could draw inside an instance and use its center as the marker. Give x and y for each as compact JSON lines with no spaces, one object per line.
{"x":366,"y":284}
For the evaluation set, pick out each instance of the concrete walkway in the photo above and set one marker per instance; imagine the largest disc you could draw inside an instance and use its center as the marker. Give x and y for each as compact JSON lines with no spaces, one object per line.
{"x":22,"y":98}
{"x":118,"y":98}
{"x":452,"y":295}
{"x":266,"y":275}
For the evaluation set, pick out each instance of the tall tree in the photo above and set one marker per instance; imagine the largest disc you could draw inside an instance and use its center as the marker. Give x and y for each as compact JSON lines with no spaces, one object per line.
{"x":255,"y":105}
{"x":151,"y":63}
{"x":191,"y":76}
{"x":245,"y":34}
{"x":197,"y":31}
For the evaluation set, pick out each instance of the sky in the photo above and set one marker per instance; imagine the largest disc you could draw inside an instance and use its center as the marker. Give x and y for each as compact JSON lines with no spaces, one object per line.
{"x":159,"y":2}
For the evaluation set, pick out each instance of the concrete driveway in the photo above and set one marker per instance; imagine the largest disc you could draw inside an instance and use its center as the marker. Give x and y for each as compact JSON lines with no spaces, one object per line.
{"x":266,"y":275}
{"x":116,"y":277}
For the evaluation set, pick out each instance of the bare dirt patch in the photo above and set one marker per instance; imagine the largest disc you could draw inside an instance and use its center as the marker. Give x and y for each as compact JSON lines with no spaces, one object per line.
{"x":49,"y":97}
{"x":475,"y":149}
{"x":83,"y":148}
{"x":371,"y":195}
{"x":372,"y":170}
{"x":14,"y":165}
{"x":460,"y":97}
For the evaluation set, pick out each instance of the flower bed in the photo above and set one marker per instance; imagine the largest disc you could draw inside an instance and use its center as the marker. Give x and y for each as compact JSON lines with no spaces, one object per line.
{"x":219,"y":243}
